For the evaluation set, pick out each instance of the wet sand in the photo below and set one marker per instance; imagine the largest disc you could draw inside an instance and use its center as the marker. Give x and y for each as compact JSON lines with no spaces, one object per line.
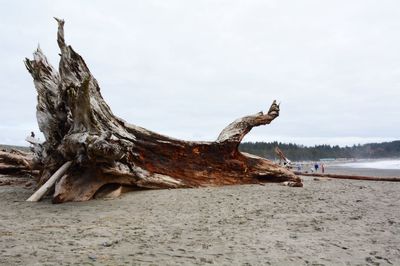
{"x":327,"y":222}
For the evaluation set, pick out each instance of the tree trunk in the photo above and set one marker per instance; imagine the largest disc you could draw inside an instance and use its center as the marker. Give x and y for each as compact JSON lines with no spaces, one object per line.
{"x":79,"y":126}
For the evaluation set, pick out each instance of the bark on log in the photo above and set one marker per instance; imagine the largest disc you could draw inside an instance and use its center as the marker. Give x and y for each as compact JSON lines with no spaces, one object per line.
{"x":79,"y":126}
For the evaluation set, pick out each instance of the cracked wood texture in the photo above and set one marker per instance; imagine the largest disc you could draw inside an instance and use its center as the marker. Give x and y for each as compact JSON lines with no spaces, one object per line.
{"x":15,"y":162}
{"x":79,"y":126}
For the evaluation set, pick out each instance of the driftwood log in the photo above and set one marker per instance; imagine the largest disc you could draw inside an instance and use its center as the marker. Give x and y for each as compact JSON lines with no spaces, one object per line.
{"x":79,"y":126}
{"x":16,"y":162}
{"x":353,"y":177}
{"x":43,"y":190}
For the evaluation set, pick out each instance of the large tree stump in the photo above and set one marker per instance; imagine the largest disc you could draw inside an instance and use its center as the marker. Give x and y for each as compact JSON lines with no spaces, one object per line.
{"x":79,"y":126}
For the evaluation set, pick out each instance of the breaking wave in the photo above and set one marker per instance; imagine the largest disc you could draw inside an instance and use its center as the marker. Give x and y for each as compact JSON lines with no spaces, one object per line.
{"x":381,"y":164}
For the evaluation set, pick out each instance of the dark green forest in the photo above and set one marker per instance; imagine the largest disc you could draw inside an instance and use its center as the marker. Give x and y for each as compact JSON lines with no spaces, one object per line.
{"x":296,"y":152}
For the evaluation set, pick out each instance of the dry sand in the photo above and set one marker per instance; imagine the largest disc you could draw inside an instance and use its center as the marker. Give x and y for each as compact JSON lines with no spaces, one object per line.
{"x":327,"y":222}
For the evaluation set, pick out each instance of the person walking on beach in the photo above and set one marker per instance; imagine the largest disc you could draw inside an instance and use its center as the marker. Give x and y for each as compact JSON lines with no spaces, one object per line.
{"x":316,"y":167}
{"x":322,"y":168}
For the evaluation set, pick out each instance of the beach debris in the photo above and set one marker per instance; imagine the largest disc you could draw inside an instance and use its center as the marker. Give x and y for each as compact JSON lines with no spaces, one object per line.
{"x":104,"y":150}
{"x":282,"y":158}
{"x":354,"y":177}
{"x":50,"y":182}
{"x":292,"y":184}
{"x":109,"y":243}
{"x":15,"y":162}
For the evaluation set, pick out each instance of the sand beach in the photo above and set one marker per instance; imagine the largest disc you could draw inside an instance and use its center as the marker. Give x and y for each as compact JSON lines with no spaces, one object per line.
{"x":117,"y":96}
{"x":327,"y":222}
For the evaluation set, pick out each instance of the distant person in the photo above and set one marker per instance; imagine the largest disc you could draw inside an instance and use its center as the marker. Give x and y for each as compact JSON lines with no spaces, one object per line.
{"x":322,"y":168}
{"x":316,"y":167}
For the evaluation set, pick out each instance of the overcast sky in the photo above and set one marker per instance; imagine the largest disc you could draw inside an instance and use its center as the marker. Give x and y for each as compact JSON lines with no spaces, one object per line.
{"x":188,"y":68}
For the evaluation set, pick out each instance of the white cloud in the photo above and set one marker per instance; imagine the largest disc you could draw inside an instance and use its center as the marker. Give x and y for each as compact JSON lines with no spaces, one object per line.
{"x":188,"y":68}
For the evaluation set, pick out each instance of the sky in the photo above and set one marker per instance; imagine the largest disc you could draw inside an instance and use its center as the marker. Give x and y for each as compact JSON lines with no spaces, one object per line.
{"x":188,"y":68}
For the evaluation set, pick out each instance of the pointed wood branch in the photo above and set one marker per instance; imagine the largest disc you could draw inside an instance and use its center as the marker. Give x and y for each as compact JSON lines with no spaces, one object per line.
{"x":43,"y":190}
{"x":236,"y":131}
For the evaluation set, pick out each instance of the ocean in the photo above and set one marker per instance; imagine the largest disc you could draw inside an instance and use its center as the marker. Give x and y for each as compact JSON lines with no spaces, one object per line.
{"x":374,"y":164}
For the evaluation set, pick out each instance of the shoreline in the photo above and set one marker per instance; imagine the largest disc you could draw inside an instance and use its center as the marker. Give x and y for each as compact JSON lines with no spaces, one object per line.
{"x":342,"y":168}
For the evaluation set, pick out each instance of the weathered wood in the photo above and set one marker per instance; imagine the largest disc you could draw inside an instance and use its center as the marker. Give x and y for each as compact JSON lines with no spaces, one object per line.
{"x":79,"y":126}
{"x":354,"y":177}
{"x":43,"y":190}
{"x":15,"y":162}
{"x":15,"y":157}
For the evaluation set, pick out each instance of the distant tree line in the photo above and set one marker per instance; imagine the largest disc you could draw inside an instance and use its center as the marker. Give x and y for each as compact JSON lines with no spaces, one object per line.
{"x":296,"y":152}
